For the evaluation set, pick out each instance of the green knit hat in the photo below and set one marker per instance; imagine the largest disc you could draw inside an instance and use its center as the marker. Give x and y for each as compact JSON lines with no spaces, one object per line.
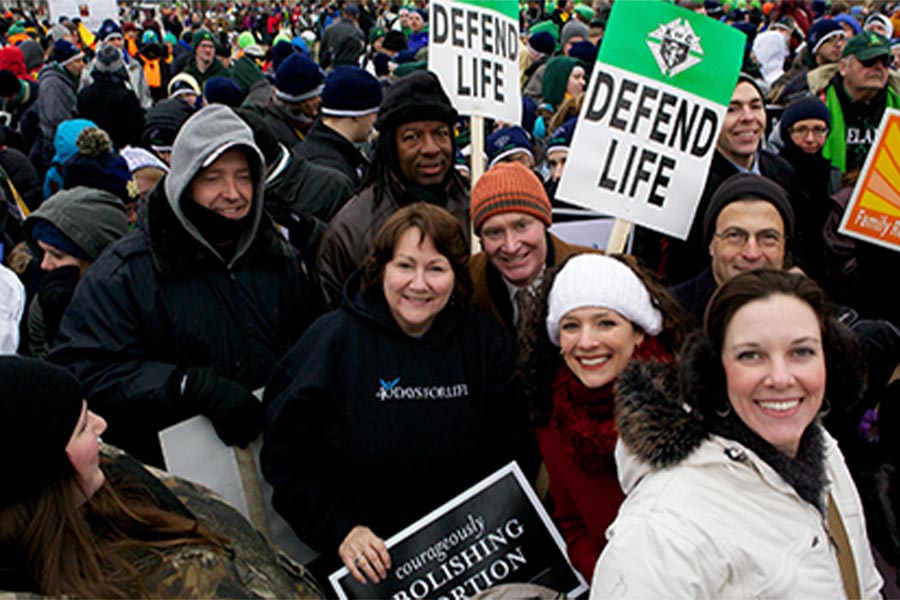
{"x":246,"y":39}
{"x":556,"y":79}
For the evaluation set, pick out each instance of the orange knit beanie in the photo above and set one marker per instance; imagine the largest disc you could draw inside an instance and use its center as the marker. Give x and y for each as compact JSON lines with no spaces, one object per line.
{"x":509,"y":187}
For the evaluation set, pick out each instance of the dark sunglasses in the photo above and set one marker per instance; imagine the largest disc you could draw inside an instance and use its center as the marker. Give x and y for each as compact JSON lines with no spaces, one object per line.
{"x":883,"y":60}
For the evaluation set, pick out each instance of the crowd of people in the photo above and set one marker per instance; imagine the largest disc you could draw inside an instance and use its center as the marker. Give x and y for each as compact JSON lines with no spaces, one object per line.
{"x":262,"y":213}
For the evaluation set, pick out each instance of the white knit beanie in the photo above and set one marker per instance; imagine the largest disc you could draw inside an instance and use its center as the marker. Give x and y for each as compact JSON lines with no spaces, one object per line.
{"x":597,"y":280}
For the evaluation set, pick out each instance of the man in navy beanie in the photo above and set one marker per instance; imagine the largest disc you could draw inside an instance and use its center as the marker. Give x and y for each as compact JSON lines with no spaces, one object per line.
{"x":350,"y":102}
{"x":296,"y":99}
{"x":412,"y":162}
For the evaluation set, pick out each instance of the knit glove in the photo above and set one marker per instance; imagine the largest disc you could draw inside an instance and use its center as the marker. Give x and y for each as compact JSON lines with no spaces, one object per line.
{"x":54,"y":295}
{"x":235,"y":413}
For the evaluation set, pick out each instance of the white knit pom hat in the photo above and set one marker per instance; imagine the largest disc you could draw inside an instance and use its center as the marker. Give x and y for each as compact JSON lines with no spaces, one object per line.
{"x":597,"y":280}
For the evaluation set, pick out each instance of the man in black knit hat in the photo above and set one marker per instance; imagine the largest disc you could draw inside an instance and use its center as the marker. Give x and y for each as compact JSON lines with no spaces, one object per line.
{"x":412,"y":162}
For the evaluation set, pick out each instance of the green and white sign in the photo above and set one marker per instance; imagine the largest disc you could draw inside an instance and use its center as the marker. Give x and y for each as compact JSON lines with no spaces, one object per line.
{"x":473,"y":48}
{"x":652,"y":114}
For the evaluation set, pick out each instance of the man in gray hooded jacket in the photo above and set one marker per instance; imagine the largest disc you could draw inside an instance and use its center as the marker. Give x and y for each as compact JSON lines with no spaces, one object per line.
{"x":188,"y":313}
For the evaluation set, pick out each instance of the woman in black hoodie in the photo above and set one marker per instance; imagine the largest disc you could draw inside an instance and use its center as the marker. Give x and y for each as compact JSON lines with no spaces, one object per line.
{"x":401,"y":398}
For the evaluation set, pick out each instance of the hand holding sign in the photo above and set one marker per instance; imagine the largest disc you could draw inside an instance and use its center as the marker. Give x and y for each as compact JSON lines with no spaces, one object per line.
{"x":365,"y":555}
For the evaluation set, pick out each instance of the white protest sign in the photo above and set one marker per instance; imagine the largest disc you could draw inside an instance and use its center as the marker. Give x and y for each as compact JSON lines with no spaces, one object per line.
{"x":91,"y":13}
{"x":192,"y":450}
{"x":652,"y":114}
{"x":473,"y":47}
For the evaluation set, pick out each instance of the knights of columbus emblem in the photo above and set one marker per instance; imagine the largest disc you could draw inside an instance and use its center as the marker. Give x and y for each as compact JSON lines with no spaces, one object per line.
{"x":675,"y":47}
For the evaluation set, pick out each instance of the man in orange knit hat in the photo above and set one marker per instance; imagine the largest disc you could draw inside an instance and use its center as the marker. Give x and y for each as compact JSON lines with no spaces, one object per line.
{"x":511,"y":213}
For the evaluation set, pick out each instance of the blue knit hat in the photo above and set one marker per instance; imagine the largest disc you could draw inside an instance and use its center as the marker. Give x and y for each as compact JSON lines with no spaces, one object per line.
{"x":65,"y":52}
{"x":223,"y":90}
{"x":820,"y":31}
{"x":845,"y":18}
{"x":109,"y":29}
{"x":280,"y":52}
{"x":507,"y":141}
{"x":809,"y":107}
{"x":542,"y":42}
{"x":45,"y":231}
{"x":298,"y":78}
{"x":350,"y":92}
{"x":561,"y":139}
{"x":586,"y":52}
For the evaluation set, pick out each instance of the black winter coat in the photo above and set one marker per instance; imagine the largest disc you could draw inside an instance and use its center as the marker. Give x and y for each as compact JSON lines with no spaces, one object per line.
{"x":156,"y":303}
{"x":115,"y":109}
{"x":326,"y":147}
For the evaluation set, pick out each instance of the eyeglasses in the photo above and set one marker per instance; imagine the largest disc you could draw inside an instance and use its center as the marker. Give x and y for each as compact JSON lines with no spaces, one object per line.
{"x":882,"y":60}
{"x":818,"y":131}
{"x":738,"y":238}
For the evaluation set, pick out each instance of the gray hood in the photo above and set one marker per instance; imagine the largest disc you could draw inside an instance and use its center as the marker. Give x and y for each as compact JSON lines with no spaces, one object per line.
{"x":203,"y":138}
{"x":91,"y":218}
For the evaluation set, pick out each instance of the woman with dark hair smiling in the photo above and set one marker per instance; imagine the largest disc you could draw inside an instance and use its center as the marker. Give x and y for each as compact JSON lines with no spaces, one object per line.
{"x":734,"y":488}
{"x":403,"y":397}
{"x":591,"y":317}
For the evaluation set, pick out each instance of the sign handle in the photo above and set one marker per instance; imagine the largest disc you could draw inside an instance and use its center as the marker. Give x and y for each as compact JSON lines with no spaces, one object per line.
{"x":250,"y":484}
{"x":476,"y":168}
{"x":618,"y":236}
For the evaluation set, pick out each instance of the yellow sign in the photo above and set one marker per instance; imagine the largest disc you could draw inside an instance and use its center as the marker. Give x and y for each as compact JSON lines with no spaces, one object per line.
{"x":873,"y":214}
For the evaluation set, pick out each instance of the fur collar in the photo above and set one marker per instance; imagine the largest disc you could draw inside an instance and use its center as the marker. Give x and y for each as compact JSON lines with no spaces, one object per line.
{"x":651,"y":419}
{"x":175,"y":250}
{"x":662,"y":428}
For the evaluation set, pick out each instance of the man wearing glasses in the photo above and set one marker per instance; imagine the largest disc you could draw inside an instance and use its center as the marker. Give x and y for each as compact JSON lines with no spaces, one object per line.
{"x":747,"y":226}
{"x":856,"y":98}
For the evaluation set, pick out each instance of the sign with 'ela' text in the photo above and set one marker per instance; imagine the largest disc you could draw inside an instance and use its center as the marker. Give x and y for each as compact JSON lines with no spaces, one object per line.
{"x":652,"y":114}
{"x":473,"y":47}
{"x":873,"y":214}
{"x":496,"y":532}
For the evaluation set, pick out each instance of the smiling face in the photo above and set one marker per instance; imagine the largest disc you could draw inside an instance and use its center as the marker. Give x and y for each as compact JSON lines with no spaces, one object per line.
{"x":597,"y":344}
{"x":83,"y":451}
{"x":775,"y":368}
{"x":516,"y":244}
{"x":744,"y":126}
{"x":417,"y":282}
{"x":424,"y":151}
{"x":226,"y":186}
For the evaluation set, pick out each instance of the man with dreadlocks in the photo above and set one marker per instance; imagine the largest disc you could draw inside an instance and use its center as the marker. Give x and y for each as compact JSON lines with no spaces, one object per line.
{"x":412,"y":162}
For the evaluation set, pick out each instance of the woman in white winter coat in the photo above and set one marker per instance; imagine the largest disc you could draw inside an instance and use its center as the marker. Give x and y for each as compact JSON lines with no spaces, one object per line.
{"x":734,"y":488}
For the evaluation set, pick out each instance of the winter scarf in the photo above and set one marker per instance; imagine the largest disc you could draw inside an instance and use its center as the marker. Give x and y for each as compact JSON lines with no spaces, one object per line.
{"x":584,"y":418}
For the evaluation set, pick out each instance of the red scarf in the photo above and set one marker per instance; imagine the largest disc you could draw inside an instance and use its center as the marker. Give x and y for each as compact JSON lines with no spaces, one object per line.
{"x":584,"y":416}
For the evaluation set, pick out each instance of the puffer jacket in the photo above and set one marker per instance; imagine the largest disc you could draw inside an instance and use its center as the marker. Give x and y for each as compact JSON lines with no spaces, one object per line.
{"x":350,"y":235}
{"x":706,"y":517}
{"x":162,"y":299}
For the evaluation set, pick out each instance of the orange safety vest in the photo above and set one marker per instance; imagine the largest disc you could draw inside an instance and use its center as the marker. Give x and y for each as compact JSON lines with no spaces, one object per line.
{"x":153,"y":73}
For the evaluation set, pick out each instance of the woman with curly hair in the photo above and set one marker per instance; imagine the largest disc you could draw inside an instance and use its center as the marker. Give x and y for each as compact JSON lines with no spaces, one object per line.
{"x":590,"y":319}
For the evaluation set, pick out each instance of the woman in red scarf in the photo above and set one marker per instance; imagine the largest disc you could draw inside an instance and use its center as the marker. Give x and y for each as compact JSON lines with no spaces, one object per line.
{"x":592,"y":316}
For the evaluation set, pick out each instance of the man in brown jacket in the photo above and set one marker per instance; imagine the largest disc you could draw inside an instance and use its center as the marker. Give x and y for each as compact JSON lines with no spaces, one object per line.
{"x":510,"y":212}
